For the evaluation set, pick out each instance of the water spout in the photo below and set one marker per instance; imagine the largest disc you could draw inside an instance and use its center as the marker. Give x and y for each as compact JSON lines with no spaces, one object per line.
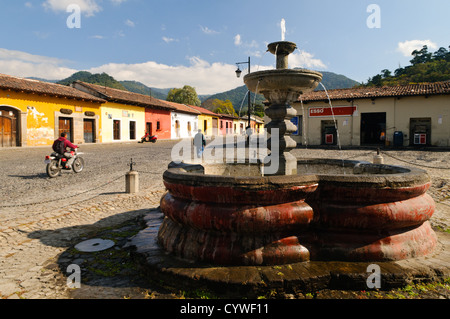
{"x":335,"y":126}
{"x":283,"y":30}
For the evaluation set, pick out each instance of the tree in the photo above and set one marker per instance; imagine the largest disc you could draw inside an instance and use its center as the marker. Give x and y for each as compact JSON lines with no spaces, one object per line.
{"x":259,"y":110}
{"x":421,"y":56}
{"x":186,"y":95}
{"x":386,"y":73}
{"x":223,"y":107}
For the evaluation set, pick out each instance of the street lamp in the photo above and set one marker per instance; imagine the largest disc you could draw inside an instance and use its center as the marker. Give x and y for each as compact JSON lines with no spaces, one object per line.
{"x":238,"y":74}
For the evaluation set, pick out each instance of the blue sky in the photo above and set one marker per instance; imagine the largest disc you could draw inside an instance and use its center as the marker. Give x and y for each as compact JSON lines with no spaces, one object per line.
{"x":197,"y":42}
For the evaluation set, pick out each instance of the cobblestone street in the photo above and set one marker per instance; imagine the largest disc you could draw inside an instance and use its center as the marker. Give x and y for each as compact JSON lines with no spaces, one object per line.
{"x":42,"y":218}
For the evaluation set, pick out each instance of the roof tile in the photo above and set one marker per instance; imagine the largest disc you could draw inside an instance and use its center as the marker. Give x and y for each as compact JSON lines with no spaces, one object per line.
{"x":374,"y":92}
{"x":9,"y":82}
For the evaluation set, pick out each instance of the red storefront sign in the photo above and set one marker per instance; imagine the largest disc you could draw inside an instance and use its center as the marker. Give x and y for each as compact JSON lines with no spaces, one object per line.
{"x":327,"y":111}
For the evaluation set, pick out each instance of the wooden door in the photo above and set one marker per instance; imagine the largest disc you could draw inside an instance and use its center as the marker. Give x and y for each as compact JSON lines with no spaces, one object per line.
{"x":65,"y":126}
{"x":116,"y":130}
{"x":5,"y":132}
{"x":150,"y":128}
{"x":8,"y":128}
{"x":89,"y":131}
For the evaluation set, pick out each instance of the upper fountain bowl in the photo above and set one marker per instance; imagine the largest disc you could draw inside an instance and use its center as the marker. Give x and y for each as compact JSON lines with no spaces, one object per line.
{"x":282,"y":85}
{"x":282,"y":47}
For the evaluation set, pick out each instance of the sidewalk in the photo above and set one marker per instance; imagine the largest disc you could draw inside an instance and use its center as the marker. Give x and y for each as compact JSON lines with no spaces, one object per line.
{"x":26,"y":248}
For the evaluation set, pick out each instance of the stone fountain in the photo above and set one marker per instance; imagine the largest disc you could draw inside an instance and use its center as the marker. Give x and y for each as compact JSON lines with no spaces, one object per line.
{"x":219,"y":216}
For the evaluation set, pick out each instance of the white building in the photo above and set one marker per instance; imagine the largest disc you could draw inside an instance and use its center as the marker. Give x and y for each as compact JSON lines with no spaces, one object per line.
{"x":184,"y":121}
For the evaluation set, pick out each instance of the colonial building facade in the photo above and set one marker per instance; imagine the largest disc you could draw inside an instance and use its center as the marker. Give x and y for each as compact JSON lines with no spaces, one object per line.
{"x":34,"y":113}
{"x":411,"y":115}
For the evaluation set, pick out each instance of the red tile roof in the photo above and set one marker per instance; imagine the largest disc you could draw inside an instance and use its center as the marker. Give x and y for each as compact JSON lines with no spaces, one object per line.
{"x":125,"y":97}
{"x":183,"y":108}
{"x":202,"y":110}
{"x":8,"y":82}
{"x":385,"y":91}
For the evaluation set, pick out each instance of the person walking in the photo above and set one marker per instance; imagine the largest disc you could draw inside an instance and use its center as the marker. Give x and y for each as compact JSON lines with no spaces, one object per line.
{"x":199,"y":143}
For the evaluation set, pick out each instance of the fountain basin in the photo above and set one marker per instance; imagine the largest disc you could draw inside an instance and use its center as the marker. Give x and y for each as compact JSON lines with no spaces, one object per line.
{"x":334,"y":210}
{"x":279,"y":84}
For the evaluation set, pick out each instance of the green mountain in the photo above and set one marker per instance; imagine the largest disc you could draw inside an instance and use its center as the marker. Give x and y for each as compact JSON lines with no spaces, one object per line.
{"x":333,"y":81}
{"x":99,"y":79}
{"x":138,"y":87}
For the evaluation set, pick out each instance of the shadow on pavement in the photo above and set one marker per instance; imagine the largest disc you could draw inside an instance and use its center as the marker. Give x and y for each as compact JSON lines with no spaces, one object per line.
{"x":107,"y":274}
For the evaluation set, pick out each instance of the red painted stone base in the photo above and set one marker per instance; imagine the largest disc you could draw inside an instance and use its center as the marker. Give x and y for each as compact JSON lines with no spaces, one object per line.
{"x":229,"y":248}
{"x":383,"y":246}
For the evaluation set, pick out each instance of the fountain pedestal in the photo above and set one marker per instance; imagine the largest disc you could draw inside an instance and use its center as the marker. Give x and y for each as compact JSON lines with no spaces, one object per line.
{"x":282,"y":87}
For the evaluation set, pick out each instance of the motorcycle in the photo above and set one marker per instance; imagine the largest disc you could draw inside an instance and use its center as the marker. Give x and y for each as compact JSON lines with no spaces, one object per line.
{"x":149,"y":138}
{"x":56,"y":163}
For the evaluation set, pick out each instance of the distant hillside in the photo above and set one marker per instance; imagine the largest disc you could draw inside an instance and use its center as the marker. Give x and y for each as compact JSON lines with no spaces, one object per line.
{"x":42,"y":80}
{"x":333,"y":81}
{"x":99,"y":79}
{"x":330,"y":81}
{"x":426,"y":67}
{"x":238,"y":97}
{"x":138,"y":87}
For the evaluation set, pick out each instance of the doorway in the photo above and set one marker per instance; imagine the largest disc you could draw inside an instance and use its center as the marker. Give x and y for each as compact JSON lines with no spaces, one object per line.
{"x":373,"y":128}
{"x":177,"y":128}
{"x":149,"y":128}
{"x":116,"y":130}
{"x":132,"y":130}
{"x":66,"y":126}
{"x":8,"y":127}
{"x":89,"y":131}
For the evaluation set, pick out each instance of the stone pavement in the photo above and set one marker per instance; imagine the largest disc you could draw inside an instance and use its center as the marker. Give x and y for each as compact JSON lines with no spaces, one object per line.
{"x":26,"y":246}
{"x":28,"y":242}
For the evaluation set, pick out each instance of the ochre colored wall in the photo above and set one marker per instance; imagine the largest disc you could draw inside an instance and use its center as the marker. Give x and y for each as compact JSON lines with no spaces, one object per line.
{"x":37,"y":123}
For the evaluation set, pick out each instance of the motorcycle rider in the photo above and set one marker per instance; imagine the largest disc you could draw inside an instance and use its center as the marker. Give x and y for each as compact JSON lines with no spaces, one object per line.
{"x":67,"y":154}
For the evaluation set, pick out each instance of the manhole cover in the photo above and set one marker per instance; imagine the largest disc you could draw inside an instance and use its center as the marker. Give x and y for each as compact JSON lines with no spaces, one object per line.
{"x":94,"y":245}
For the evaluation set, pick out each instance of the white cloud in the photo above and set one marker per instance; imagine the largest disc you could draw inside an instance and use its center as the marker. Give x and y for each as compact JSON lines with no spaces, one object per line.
{"x":22,"y":64}
{"x":118,"y":2}
{"x":407,"y":47}
{"x":305,"y":60}
{"x":207,"y":78}
{"x":97,"y":37}
{"x":206,"y":30}
{"x":130,"y":23}
{"x":88,"y":7}
{"x":168,"y":40}
{"x":237,"y":40}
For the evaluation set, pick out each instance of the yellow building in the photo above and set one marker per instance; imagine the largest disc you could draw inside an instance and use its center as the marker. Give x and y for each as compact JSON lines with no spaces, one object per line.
{"x":208,"y":121}
{"x":123,"y":114}
{"x":35,"y":113}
